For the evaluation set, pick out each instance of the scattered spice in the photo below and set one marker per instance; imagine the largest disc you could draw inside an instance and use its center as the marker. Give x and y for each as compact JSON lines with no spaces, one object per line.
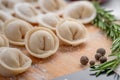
{"x":92,"y":62}
{"x":103,"y":59}
{"x":100,"y":56}
{"x":97,"y":56}
{"x":84,"y":60}
{"x":101,"y":51}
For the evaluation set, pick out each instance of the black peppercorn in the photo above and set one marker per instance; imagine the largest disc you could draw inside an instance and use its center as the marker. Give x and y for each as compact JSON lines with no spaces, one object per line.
{"x":103,"y":59}
{"x":101,"y":51}
{"x":84,"y":60}
{"x":97,"y":56}
{"x":92,"y":62}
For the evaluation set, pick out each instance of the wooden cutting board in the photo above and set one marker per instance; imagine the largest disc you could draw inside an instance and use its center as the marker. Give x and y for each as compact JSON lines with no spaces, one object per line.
{"x":67,"y":58}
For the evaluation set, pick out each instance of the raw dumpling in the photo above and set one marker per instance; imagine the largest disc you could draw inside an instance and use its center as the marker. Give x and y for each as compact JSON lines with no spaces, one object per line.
{"x":4,"y":16}
{"x":52,"y":5}
{"x":26,"y":12}
{"x":15,"y":30}
{"x":3,"y":41}
{"x":71,"y":32}
{"x":41,"y":42}
{"x":7,"y":5}
{"x":34,"y":3}
{"x":13,"y":61}
{"x":49,"y":20}
{"x":81,"y":10}
{"x":1,"y":26}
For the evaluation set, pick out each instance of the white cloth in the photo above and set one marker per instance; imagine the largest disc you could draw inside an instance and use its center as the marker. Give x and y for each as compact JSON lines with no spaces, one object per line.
{"x":115,"y":6}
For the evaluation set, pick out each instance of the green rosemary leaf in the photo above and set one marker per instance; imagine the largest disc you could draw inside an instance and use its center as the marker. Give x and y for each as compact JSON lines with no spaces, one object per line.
{"x":116,"y":45}
{"x":98,"y":73}
{"x":113,"y":67}
{"x":109,"y":71}
{"x":106,"y":64}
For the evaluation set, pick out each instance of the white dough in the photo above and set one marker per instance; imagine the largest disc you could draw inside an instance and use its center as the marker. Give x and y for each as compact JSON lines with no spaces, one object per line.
{"x":3,"y":41}
{"x":84,"y":11}
{"x":13,"y":61}
{"x":52,"y":5}
{"x":49,"y":20}
{"x":41,"y":42}
{"x":26,"y":12}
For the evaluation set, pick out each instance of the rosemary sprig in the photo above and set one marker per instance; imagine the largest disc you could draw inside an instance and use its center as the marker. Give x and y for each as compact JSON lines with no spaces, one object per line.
{"x":116,"y":46}
{"x":105,"y":21}
{"x":107,"y":67}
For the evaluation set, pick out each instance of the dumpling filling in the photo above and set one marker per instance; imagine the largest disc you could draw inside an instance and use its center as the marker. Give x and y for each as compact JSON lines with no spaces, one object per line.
{"x":15,"y":30}
{"x":13,"y":61}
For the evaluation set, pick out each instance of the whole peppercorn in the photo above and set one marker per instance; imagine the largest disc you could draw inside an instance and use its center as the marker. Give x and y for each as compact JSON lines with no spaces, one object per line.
{"x":84,"y":60}
{"x":103,"y":59}
{"x":101,"y":51}
{"x":97,"y":56}
{"x":92,"y":62}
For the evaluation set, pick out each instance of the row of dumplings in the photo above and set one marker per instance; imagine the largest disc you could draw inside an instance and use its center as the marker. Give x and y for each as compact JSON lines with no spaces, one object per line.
{"x":28,"y":10}
{"x":40,"y":42}
{"x":41,"y":28}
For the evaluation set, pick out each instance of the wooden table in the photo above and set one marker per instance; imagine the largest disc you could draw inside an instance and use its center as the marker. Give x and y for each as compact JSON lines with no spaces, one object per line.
{"x":67,"y":58}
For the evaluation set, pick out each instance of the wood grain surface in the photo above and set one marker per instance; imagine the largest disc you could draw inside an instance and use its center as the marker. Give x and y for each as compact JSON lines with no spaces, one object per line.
{"x":66,"y":60}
